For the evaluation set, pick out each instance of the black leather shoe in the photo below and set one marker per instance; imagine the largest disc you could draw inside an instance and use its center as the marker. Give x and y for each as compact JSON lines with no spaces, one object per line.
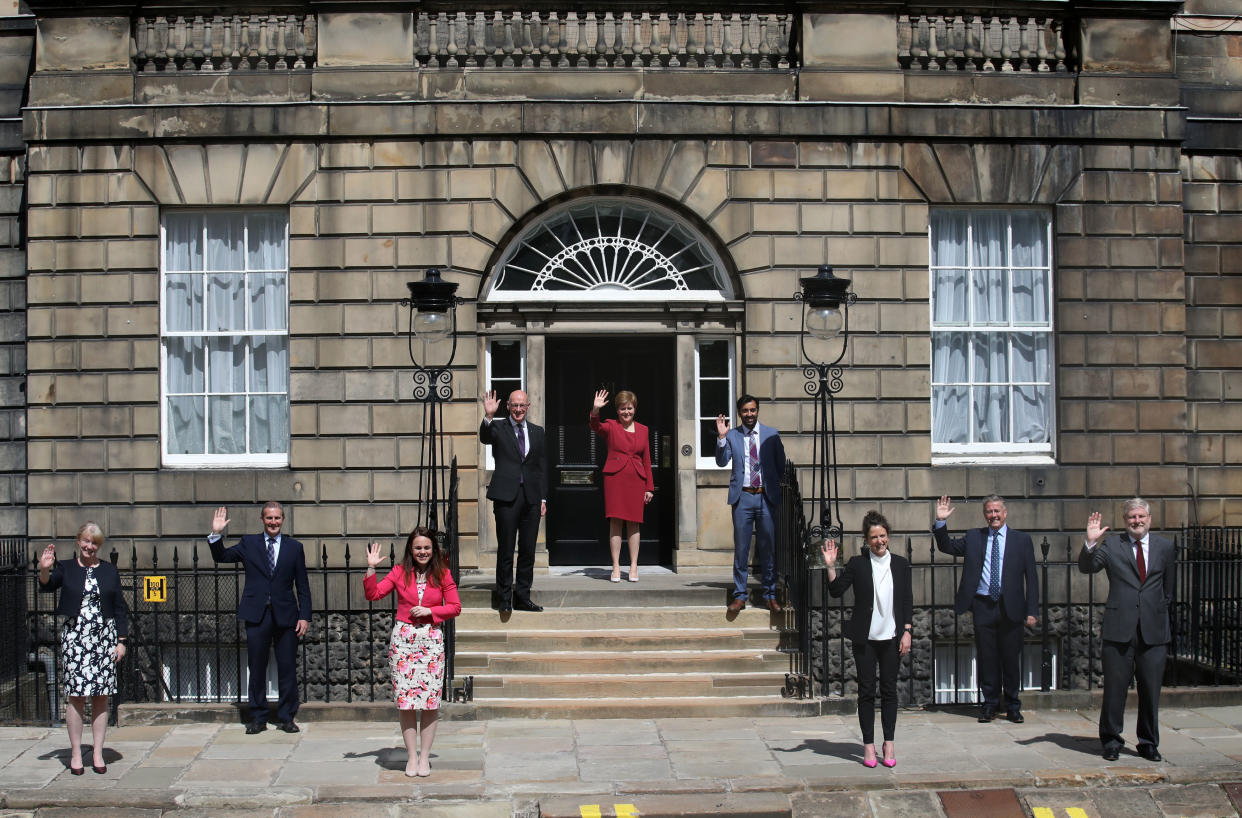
{"x":1110,"y":754}
{"x":1015,"y":716}
{"x":255,"y":727}
{"x":986,"y":715}
{"x":288,"y":727}
{"x":527,"y":606}
{"x":1149,"y":752}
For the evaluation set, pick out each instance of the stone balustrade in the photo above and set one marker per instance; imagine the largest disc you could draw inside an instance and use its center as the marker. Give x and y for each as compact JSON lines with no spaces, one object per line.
{"x":981,"y":42}
{"x":594,"y":39}
{"x":228,"y":42}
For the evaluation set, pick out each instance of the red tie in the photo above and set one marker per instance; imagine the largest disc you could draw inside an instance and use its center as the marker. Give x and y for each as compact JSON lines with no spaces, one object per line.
{"x":1139,"y":561}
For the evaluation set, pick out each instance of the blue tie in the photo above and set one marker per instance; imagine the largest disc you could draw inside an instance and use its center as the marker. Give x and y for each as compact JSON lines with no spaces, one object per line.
{"x":271,"y":555}
{"x":994,"y":579}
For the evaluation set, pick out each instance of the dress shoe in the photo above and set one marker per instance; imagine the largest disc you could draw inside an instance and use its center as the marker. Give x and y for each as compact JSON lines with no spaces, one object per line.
{"x":1149,"y":752}
{"x":773,"y":605}
{"x":505,"y":610}
{"x":288,"y":727}
{"x":1110,"y":754}
{"x":527,"y":606}
{"x":986,"y":715}
{"x":870,"y":762}
{"x":737,"y":605}
{"x":100,"y":768}
{"x":255,"y":727}
{"x":1015,"y":716}
{"x":77,"y":770}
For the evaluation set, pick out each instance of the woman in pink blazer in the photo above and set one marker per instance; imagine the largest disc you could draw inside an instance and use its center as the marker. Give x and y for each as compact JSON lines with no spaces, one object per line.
{"x":426,"y":598}
{"x":628,"y":484}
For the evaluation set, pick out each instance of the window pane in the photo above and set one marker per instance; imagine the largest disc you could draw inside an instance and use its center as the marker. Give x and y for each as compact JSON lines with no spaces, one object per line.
{"x":714,"y":399}
{"x":1030,"y":297}
{"x":506,"y":360}
{"x":225,"y":308}
{"x":714,"y":359}
{"x":1030,"y":358}
{"x":184,"y":362}
{"x":989,"y":238}
{"x":707,"y":438}
{"x":991,"y":297}
{"x":227,"y":428}
{"x":269,"y":424}
{"x":224,"y":241}
{"x":949,"y":296}
{"x":268,"y":308}
{"x":183,"y":241}
{"x":1030,"y":230}
{"x":269,"y":364}
{"x":991,"y":406}
{"x":1031,"y":413}
{"x":183,"y":302}
{"x":185,"y":425}
{"x":503,"y":388}
{"x":226,"y":365}
{"x":991,"y":358}
{"x":951,"y":413}
{"x":949,"y":361}
{"x":265,"y":241}
{"x":948,"y":229}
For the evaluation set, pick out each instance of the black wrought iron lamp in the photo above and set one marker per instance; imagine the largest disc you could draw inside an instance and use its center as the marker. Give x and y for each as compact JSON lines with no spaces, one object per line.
{"x":825,"y":316}
{"x":433,"y":322}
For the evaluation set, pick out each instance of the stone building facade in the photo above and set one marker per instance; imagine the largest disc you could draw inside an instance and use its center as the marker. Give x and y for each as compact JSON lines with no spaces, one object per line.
{"x":1037,"y":207}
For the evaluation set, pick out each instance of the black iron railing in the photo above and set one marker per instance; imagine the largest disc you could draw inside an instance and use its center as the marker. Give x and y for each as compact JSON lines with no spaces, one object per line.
{"x":192,"y":648}
{"x":1062,"y":651}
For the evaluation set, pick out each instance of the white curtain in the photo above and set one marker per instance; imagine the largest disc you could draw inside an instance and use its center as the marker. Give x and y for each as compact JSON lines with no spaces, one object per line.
{"x":990,"y":386}
{"x":219,"y":387}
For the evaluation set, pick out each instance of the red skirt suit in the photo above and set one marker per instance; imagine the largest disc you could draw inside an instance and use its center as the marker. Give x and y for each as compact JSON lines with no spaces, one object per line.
{"x":627,"y":471}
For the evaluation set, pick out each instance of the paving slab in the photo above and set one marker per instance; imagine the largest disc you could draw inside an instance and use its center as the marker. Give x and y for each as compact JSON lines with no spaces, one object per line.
{"x":1193,"y":801}
{"x":998,"y":803}
{"x":905,"y":805}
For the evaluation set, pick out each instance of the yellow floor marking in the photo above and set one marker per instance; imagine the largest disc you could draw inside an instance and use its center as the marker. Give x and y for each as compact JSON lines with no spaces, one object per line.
{"x":631,"y":811}
{"x":1076,"y":812}
{"x":589,"y":811}
{"x":1043,"y":812}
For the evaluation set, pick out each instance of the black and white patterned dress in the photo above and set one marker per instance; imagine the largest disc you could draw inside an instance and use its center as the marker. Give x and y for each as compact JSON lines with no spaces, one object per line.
{"x":88,"y":647}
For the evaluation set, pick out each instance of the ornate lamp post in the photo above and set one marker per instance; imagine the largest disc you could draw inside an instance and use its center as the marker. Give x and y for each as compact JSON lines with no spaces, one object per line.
{"x":433,"y":319}
{"x":825,"y":316}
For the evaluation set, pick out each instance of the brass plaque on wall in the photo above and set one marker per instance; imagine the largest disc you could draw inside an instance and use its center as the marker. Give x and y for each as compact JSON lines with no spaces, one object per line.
{"x":577,"y":477}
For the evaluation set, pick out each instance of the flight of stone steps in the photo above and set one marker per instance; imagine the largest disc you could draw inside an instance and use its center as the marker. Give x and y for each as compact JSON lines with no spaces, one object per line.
{"x":602,"y":650}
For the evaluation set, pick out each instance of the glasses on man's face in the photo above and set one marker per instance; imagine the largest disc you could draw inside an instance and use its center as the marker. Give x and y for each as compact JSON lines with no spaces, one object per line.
{"x":519,"y":405}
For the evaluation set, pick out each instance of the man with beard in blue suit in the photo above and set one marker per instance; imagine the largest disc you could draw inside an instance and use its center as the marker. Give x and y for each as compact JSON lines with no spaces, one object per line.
{"x":754,"y":494}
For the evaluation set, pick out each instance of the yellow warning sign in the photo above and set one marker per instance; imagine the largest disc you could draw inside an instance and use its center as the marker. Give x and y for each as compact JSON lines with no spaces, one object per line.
{"x":155,"y":589}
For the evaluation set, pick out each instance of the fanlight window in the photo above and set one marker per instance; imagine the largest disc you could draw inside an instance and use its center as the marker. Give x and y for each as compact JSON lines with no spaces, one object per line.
{"x":610,"y":250}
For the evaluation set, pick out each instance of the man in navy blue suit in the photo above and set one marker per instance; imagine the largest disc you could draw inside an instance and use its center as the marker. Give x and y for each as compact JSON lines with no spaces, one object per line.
{"x":1001,"y":589}
{"x":754,"y":494}
{"x":274,"y":617}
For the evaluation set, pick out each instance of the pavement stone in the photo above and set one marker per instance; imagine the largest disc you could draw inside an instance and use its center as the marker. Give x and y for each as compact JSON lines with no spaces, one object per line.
{"x":1193,"y":801}
{"x":905,"y":805}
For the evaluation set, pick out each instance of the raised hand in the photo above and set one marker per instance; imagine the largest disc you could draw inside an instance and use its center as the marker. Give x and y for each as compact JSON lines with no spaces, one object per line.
{"x":943,"y":509}
{"x":829,"y":550}
{"x":601,"y":400}
{"x":490,"y":403}
{"x":220,"y":520}
{"x":722,"y":426}
{"x":48,"y":558}
{"x":1094,"y":530}
{"x":374,"y":557}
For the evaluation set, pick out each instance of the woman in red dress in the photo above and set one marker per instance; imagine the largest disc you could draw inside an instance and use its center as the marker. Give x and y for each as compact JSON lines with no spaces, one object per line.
{"x":628,"y":485}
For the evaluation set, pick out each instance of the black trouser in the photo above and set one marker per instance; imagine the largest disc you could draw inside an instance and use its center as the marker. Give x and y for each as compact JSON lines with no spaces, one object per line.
{"x":262,"y":637}
{"x":868,"y":654}
{"x":998,"y":654}
{"x":517,"y":523}
{"x":1124,"y":661}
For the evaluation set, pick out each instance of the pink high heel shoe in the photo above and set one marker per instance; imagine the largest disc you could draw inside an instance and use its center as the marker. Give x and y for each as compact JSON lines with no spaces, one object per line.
{"x":869,"y":762}
{"x":889,"y":761}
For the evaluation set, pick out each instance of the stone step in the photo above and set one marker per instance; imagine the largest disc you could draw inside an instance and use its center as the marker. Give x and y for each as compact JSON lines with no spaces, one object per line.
{"x":601,"y":640}
{"x":626,"y":685}
{"x":634,"y":661}
{"x":620,"y":619}
{"x":647,"y":708}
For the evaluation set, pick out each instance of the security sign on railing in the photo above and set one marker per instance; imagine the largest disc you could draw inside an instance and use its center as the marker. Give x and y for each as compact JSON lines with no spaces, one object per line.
{"x":155,"y":589}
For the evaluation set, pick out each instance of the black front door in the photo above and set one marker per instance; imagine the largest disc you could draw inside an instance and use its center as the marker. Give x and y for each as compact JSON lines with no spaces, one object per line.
{"x":577,"y":531}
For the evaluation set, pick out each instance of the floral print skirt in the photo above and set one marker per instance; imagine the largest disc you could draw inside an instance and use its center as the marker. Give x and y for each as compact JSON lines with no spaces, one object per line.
{"x":416,"y":661}
{"x":87,"y":646}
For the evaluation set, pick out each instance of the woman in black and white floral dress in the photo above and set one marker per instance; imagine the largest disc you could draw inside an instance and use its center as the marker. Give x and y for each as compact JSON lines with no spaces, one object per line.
{"x":92,"y":639}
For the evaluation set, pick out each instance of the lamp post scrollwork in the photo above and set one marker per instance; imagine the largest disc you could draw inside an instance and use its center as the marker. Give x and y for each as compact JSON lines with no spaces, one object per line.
{"x":825,"y":317}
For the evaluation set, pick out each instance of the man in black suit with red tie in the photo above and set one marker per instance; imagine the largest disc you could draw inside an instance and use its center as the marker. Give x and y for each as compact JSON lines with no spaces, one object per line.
{"x":518,"y":491}
{"x":274,"y":617}
{"x":1000,"y":588}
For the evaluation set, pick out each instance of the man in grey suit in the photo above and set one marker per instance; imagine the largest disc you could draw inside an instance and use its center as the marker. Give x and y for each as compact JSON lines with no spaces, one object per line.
{"x":1136,"y":632}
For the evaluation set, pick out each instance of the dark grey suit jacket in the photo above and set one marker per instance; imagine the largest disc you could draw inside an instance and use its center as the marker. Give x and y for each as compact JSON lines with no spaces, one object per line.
{"x":512,"y":470}
{"x":1132,"y":605}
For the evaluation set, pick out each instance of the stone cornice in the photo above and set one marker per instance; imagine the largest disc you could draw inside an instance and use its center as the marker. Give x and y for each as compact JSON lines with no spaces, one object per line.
{"x":576,"y":118}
